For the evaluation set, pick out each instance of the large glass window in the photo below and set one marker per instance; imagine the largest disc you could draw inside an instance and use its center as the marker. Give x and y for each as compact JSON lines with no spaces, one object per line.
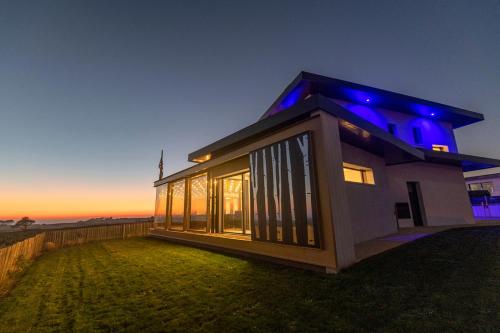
{"x":358,"y":174}
{"x":177,"y":206}
{"x":198,"y":219}
{"x":161,"y":204}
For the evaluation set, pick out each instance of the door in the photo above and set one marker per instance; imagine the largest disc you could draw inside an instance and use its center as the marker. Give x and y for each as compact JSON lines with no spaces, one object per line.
{"x":416,"y":204}
{"x":235,"y":204}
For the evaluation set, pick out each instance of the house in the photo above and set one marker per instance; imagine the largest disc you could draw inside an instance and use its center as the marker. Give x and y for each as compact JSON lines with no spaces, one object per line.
{"x":484,"y":194}
{"x":329,"y":165}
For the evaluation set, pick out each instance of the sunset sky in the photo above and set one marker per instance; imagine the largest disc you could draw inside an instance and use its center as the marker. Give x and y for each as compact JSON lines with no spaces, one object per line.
{"x":91,"y":91}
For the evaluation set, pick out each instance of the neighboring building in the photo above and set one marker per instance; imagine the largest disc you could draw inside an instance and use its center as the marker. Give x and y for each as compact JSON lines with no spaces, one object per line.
{"x":329,"y":165}
{"x":484,"y":194}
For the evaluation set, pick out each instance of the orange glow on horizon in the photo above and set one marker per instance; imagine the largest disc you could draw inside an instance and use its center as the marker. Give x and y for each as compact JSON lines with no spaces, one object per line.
{"x":75,"y":201}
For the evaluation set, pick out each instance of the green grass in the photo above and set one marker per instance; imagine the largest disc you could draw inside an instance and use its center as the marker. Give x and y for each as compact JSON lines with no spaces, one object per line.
{"x":11,"y":237}
{"x":448,"y":282}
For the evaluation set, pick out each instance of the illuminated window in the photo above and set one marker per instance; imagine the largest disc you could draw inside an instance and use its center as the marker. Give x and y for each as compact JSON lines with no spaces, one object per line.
{"x":198,"y":219}
{"x":177,"y":205}
{"x":358,"y":174}
{"x":440,"y":148}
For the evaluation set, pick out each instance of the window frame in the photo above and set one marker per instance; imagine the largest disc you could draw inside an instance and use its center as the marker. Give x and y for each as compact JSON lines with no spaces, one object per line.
{"x":363,"y":171}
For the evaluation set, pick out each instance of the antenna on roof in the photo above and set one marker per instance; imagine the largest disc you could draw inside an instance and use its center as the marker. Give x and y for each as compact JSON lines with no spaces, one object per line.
{"x":160,"y":165}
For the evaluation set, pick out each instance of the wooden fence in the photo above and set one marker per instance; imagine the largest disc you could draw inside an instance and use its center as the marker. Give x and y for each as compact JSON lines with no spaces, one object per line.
{"x":74,"y":236}
{"x":11,"y":255}
{"x":30,"y":248}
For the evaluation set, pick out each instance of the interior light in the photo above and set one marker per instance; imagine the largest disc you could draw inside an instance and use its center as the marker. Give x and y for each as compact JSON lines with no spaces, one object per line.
{"x":433,"y":114}
{"x":367,"y":100}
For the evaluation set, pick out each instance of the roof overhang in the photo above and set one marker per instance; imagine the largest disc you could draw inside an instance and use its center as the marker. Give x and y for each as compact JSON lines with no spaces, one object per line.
{"x":353,"y":130}
{"x":306,"y":84}
{"x":467,"y":162}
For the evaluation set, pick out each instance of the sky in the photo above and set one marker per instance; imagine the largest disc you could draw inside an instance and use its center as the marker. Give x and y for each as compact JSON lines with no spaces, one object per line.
{"x":91,"y":91}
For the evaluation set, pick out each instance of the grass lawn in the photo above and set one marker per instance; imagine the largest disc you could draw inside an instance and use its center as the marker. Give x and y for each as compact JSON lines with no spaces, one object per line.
{"x":448,"y":282}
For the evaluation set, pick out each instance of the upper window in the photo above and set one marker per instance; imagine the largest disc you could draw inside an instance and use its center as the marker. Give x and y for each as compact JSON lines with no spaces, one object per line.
{"x":417,"y":135}
{"x":440,"y":148}
{"x":198,"y":218}
{"x":392,"y":128}
{"x":358,"y":174}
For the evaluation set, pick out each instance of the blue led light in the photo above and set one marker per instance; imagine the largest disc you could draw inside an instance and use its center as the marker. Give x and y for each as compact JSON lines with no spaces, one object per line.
{"x":292,"y":98}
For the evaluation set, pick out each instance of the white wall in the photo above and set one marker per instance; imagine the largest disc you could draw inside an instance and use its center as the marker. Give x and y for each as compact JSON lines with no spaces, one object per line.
{"x":443,"y":191}
{"x":371,"y":206}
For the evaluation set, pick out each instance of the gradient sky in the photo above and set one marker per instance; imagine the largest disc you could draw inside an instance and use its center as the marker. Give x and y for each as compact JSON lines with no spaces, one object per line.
{"x":91,"y":91}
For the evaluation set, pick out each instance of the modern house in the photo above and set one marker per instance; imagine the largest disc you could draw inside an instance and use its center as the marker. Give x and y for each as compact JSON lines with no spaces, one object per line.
{"x":484,"y":193}
{"x":329,"y":165}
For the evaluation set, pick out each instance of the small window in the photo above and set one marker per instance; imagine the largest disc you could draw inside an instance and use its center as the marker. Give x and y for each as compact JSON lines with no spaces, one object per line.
{"x":417,"y":135}
{"x":440,"y":148}
{"x":358,"y":174}
{"x":487,"y":186}
{"x":475,"y":187}
{"x":392,"y":129}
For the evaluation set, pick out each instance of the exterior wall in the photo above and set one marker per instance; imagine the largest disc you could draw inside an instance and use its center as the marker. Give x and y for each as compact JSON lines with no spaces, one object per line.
{"x":443,"y":191}
{"x":433,"y":131}
{"x":371,"y":206}
{"x":337,"y":248}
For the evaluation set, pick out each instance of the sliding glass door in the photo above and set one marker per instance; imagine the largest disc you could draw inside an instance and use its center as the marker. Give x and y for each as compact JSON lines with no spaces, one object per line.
{"x":235,"y":204}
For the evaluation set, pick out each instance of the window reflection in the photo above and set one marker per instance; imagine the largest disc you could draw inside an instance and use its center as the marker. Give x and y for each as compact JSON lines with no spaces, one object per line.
{"x":198,"y":219}
{"x":177,"y":207}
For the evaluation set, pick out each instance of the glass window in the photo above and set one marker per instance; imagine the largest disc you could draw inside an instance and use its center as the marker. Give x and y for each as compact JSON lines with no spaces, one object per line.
{"x":417,"y":135}
{"x":440,"y":148}
{"x":161,"y":203}
{"x":358,"y":174}
{"x":198,"y":217}
{"x":392,"y":129}
{"x":177,"y":206}
{"x":353,"y":175}
{"x":487,"y":186}
{"x":475,"y":187}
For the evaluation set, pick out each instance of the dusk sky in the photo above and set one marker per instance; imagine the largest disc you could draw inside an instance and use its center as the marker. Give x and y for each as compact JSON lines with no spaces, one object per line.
{"x":91,"y":91}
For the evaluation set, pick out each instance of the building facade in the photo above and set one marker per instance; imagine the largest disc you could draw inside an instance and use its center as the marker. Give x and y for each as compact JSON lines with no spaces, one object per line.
{"x":329,"y":165}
